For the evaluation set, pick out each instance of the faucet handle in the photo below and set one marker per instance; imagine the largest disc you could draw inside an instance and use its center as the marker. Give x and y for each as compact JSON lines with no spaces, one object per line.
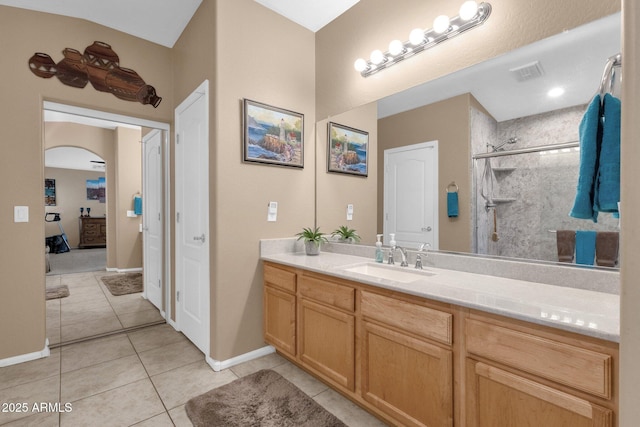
{"x":425,"y":247}
{"x":390,"y":258}
{"x":418,"y":262}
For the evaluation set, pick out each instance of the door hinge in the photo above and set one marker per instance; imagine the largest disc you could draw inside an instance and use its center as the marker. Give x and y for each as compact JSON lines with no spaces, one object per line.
{"x":158,"y":216}
{"x":177,"y":216}
{"x":159,"y":283}
{"x":158,"y":150}
{"x":177,"y":138}
{"x":178,"y":296}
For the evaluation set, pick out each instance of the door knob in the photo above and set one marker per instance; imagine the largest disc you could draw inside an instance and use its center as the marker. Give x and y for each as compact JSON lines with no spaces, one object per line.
{"x":201,"y":238}
{"x":426,"y":229}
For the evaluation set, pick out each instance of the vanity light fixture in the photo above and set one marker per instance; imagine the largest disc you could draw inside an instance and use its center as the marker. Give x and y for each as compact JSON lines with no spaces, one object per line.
{"x":444,"y":28}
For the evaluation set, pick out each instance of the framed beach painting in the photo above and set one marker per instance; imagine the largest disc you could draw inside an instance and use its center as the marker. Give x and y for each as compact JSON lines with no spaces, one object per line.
{"x":272,"y":135}
{"x":348,"y":150}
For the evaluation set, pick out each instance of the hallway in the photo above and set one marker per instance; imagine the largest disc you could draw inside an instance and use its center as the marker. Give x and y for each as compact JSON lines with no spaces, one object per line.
{"x":92,"y":310}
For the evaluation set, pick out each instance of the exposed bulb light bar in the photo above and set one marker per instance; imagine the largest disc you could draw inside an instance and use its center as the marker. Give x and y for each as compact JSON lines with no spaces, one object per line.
{"x":444,"y":28}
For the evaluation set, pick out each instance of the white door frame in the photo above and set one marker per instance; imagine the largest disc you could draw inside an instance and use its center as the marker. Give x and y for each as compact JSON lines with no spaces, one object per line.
{"x":429,"y":144}
{"x":165,"y":127}
{"x":197,"y":94}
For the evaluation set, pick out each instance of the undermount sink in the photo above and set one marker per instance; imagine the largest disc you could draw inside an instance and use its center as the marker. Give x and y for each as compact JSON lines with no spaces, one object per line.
{"x":397,"y":274}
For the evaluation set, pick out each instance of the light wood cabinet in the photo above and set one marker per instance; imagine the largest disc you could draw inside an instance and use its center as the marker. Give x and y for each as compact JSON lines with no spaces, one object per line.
{"x":406,"y":377}
{"x":416,"y":362}
{"x":499,"y":398}
{"x":279,"y":306}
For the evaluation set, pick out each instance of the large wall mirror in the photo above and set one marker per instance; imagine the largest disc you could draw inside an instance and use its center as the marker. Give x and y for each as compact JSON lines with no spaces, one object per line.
{"x":510,"y":147}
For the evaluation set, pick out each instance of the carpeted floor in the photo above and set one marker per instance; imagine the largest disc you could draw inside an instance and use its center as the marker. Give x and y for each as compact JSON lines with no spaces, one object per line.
{"x":262,"y":399}
{"x":78,"y":261}
{"x":123,"y":284}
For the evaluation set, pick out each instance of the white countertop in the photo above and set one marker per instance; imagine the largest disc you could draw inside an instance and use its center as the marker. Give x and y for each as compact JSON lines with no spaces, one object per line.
{"x":586,"y":312}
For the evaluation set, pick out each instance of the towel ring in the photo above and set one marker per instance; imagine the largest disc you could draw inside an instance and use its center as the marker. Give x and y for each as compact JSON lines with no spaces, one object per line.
{"x":453,"y":184}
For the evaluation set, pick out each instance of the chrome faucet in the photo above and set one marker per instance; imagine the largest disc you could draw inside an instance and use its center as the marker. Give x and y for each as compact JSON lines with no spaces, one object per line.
{"x":403,"y":251}
{"x":423,"y":248}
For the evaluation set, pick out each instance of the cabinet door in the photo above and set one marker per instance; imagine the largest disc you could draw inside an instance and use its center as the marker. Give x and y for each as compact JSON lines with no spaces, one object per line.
{"x":498,"y":398}
{"x":280,"y":320}
{"x":406,"y":377}
{"x":327,"y":342}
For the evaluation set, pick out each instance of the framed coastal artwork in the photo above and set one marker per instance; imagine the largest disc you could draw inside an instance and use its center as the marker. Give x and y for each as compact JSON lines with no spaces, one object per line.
{"x":272,"y":135}
{"x":49,"y":192}
{"x":348,"y":150}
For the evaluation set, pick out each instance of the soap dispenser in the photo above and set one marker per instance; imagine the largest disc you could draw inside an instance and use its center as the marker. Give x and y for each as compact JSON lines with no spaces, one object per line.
{"x":379,"y":252}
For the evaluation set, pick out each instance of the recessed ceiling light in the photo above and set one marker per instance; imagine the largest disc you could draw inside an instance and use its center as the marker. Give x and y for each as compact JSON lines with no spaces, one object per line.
{"x":555,"y":92}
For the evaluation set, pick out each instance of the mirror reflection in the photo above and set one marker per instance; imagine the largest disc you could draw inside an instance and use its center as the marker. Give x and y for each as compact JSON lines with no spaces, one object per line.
{"x":506,"y":132}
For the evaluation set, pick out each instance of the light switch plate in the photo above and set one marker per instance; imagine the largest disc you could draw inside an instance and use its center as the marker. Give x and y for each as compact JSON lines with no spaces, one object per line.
{"x":272,"y":212}
{"x":21,"y":214}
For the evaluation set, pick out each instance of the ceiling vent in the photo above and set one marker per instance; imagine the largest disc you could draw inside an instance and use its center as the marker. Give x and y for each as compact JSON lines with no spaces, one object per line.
{"x":527,"y":72}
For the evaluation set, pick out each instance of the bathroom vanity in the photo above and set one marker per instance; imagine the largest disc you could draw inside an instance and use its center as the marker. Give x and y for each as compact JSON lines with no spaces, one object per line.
{"x":446,"y":348}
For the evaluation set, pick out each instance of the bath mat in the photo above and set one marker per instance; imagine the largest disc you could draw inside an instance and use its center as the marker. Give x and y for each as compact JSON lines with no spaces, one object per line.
{"x":55,"y":292}
{"x":122,"y":284}
{"x":261,"y":399}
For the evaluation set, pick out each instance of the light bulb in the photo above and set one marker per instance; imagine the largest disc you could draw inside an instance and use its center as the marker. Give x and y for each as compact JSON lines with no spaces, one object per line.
{"x":441,"y":24}
{"x":416,"y":36}
{"x":396,"y":47}
{"x":360,"y":65}
{"x":377,"y":57}
{"x":468,"y":10}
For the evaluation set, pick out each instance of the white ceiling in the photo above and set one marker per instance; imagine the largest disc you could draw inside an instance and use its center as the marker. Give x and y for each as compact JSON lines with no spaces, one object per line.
{"x":162,"y":21}
{"x":73,"y":158}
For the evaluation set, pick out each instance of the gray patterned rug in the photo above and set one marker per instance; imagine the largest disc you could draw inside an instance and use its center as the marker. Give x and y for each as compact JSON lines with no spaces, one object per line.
{"x":122,"y":284}
{"x":55,"y":292}
{"x":262,"y":399}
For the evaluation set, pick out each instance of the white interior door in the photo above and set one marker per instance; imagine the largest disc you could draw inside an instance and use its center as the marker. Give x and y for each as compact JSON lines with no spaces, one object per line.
{"x":411,"y":194}
{"x":152,"y":216}
{"x":192,"y":217}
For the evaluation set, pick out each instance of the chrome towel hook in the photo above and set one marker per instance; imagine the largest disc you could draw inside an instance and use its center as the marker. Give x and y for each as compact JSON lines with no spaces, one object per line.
{"x":452,"y":184}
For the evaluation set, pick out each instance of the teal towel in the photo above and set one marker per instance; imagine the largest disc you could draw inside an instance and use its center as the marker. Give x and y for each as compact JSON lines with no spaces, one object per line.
{"x":607,"y":190}
{"x":452,"y":204}
{"x":137,"y":205}
{"x":585,"y":247}
{"x":590,"y":132}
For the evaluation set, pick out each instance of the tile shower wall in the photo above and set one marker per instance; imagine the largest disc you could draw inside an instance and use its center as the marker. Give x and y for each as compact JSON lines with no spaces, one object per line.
{"x":542,"y":185}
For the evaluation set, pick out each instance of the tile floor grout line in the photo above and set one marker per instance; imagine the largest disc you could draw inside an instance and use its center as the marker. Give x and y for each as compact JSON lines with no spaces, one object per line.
{"x":152,"y":383}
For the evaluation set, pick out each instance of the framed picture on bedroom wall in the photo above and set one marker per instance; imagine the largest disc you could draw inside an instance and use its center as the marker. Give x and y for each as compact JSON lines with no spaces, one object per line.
{"x":49,"y":192}
{"x":347,"y":150}
{"x":272,"y":135}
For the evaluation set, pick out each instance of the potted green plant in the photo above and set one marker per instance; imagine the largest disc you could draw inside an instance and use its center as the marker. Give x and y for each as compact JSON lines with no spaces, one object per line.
{"x":313,"y":238}
{"x":346,"y":234}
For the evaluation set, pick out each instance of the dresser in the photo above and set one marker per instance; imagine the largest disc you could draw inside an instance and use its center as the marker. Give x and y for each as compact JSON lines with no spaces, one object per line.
{"x":93,"y":232}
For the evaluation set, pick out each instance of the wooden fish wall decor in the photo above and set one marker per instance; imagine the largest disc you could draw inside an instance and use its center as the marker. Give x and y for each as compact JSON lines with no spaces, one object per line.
{"x":100,"y":65}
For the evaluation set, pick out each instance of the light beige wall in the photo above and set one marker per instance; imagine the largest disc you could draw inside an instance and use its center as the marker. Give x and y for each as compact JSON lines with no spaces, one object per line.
{"x":630,"y":229}
{"x":335,"y":191}
{"x":372,"y":24}
{"x":448,"y":123}
{"x":71,"y":194}
{"x":128,"y":182}
{"x":22,"y":307}
{"x":264,"y":57}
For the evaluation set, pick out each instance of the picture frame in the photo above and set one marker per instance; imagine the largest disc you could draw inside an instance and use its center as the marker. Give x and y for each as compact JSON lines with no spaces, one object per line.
{"x":49,"y":192}
{"x":272,"y":135}
{"x":347,"y":150}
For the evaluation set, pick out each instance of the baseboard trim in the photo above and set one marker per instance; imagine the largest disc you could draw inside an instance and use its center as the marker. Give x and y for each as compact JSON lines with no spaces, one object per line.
{"x":45,"y":352}
{"x":219,"y":365}
{"x":124,"y":270}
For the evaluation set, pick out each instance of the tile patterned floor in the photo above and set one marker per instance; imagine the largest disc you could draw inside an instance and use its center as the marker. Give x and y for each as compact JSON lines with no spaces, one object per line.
{"x":140,"y":378}
{"x":91,"y":310}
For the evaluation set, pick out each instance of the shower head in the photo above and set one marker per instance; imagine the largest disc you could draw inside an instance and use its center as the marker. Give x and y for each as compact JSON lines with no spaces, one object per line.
{"x":511,"y":140}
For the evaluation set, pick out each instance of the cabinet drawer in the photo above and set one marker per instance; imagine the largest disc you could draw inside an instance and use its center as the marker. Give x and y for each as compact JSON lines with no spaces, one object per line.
{"x":424,"y":321}
{"x":567,"y":364}
{"x":280,"y":278}
{"x":328,"y":292}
